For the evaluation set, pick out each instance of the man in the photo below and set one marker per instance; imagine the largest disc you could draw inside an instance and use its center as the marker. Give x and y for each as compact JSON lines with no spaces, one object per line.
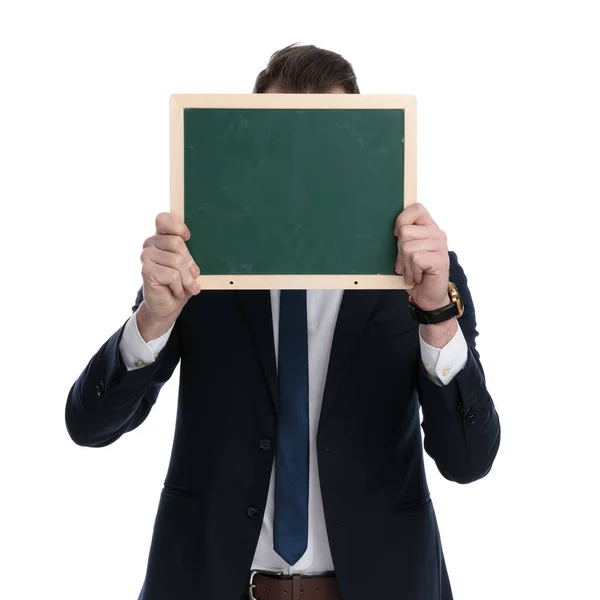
{"x":297,"y":446}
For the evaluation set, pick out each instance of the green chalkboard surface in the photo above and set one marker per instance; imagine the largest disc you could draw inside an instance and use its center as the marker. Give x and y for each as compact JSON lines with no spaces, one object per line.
{"x":293,"y":192}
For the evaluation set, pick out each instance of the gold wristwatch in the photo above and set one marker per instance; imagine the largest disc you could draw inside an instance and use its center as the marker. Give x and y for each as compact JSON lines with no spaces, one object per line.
{"x":432,"y":317}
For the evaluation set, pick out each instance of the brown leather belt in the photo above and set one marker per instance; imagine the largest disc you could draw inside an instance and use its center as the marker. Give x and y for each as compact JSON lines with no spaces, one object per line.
{"x":270,"y":585}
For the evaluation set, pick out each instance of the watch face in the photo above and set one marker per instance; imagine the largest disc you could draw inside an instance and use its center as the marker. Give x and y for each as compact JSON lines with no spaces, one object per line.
{"x":455,"y":297}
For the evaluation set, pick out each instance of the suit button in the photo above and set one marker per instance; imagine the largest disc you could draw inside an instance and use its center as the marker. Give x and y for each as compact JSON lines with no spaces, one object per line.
{"x":265,"y":444}
{"x":459,"y":406}
{"x":252,"y":512}
{"x":471,"y":417}
{"x":100,"y":388}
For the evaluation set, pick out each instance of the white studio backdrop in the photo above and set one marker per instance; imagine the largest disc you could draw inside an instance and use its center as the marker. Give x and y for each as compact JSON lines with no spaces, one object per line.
{"x":508,"y":156}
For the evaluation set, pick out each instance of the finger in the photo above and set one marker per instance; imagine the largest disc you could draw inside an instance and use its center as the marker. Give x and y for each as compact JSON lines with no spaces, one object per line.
{"x":174,"y":261}
{"x":414,"y":214}
{"x":413,"y":251}
{"x":171,"y":224}
{"x":407,"y":247}
{"x":421,"y":262}
{"x":155,"y":273}
{"x":408,"y":273}
{"x":406,"y":250}
{"x":403,"y":267}
{"x":175,"y":244}
{"x":418,"y":232}
{"x":415,"y":267}
{"x":428,"y":261}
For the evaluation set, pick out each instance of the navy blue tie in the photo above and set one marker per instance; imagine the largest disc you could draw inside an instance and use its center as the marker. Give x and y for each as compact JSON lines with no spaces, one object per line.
{"x":292,"y":451}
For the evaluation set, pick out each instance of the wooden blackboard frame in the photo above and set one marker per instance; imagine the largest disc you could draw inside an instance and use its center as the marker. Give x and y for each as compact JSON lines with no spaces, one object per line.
{"x":180,"y":102}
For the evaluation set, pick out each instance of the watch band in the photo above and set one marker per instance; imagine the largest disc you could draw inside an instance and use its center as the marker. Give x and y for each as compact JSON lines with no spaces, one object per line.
{"x":432,"y":317}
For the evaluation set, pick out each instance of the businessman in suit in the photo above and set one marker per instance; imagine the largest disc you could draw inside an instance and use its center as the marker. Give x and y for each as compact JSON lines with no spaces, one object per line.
{"x":297,"y":464}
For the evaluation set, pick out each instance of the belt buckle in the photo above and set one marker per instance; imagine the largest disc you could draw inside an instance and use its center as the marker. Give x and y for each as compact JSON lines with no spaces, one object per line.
{"x":252,"y":585}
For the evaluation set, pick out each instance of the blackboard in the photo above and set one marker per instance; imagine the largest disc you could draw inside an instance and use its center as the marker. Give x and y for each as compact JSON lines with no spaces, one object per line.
{"x":293,"y":190}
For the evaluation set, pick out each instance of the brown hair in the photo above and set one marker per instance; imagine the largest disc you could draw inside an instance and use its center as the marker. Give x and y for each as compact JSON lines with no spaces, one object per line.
{"x":306,"y":69}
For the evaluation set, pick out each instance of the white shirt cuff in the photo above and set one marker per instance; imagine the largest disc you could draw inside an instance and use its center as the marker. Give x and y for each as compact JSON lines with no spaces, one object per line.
{"x":443,"y":364}
{"x":135,"y":352}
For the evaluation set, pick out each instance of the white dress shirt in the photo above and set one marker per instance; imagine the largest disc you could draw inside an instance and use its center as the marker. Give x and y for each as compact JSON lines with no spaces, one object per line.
{"x":322,"y":312}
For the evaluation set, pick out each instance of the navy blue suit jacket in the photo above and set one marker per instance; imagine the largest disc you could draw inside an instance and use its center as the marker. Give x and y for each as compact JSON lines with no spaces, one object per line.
{"x":380,"y":519}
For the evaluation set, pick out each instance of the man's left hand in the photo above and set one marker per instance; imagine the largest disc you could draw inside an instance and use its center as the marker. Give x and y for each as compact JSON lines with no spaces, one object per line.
{"x":423,"y":257}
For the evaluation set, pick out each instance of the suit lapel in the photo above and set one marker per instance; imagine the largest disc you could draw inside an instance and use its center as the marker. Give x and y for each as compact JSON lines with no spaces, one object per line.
{"x":355,"y":310}
{"x":256,"y":307}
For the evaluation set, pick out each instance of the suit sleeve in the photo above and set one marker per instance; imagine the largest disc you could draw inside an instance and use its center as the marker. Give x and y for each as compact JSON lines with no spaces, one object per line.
{"x":460,"y":422}
{"x":108,"y":400}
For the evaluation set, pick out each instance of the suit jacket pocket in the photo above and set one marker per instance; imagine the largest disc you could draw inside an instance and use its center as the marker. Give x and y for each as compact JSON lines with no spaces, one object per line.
{"x":412,"y":505}
{"x":179,"y":492}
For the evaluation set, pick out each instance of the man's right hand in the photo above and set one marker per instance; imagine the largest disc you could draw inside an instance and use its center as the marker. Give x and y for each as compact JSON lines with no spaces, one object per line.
{"x":170,"y":276}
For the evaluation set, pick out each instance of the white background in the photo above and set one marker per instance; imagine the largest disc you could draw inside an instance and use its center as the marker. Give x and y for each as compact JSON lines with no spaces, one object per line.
{"x":508,"y":165}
